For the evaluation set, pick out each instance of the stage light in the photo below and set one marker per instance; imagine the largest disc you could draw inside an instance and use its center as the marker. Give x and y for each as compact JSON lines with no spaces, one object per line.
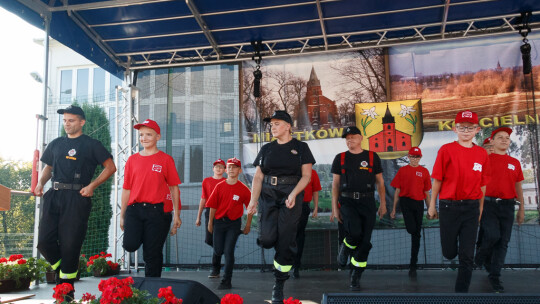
{"x":526,"y":57}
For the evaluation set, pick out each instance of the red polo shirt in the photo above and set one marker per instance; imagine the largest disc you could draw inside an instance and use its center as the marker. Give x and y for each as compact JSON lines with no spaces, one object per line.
{"x":208,"y":186}
{"x":314,"y":185}
{"x":412,"y":182}
{"x":463,"y":171}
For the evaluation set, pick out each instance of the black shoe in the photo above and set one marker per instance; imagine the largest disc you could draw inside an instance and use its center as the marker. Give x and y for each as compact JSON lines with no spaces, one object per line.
{"x":224,"y":284}
{"x":296,"y":273}
{"x":496,"y":285}
{"x":412,"y":273}
{"x":343,"y":255}
{"x":214,"y":274}
{"x":356,"y":274}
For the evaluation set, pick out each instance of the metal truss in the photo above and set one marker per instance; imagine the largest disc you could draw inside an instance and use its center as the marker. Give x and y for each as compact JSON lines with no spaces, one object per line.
{"x":215,"y":53}
{"x":127,"y":113}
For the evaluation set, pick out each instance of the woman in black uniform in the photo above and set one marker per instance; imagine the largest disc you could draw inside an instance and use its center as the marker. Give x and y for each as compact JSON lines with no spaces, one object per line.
{"x":283,"y":170}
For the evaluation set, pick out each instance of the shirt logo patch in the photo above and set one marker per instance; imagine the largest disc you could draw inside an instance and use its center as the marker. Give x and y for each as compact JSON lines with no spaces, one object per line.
{"x":235,"y":197}
{"x":363,"y":163}
{"x":477,"y":167}
{"x":418,"y":173}
{"x":168,"y":197}
{"x":293,"y":151}
{"x":156,"y":168}
{"x":511,"y":167}
{"x":72,"y":152}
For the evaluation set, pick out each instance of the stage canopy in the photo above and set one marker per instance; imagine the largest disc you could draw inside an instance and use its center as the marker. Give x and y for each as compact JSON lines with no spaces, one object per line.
{"x":141,"y":34}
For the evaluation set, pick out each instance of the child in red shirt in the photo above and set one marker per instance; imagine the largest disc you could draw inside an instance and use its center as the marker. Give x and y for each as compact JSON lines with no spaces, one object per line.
{"x":226,"y":209}
{"x":148,"y":177}
{"x":460,"y":176}
{"x":412,"y":183}
{"x":500,"y":201}
{"x":208,"y":186}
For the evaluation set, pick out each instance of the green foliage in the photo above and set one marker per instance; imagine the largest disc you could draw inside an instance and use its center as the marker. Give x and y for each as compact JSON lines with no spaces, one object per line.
{"x":16,"y":268}
{"x":97,"y":236}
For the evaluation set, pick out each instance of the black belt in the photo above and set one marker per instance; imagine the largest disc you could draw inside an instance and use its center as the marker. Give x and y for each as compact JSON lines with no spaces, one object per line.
{"x":357,"y":195}
{"x":62,"y":186}
{"x":497,"y":200}
{"x":458,"y":202}
{"x":281,"y":180}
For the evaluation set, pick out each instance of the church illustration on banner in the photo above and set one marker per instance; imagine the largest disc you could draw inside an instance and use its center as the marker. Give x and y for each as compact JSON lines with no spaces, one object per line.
{"x":391,"y":128}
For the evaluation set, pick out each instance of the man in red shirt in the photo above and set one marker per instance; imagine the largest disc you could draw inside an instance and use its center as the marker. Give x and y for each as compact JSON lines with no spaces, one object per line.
{"x":148,"y":177}
{"x":498,"y":214}
{"x":226,"y":204}
{"x":460,"y":176}
{"x":208,"y":186}
{"x":412,"y":183}
{"x":311,"y":192}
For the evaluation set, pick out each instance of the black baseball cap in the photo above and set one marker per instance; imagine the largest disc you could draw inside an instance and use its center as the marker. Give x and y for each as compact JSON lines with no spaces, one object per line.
{"x":351,"y":130}
{"x":72,"y":110}
{"x":280,"y":114}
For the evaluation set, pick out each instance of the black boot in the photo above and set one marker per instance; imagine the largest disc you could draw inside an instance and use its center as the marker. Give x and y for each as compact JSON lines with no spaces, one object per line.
{"x":356,"y":274}
{"x":412,"y":271}
{"x":225,"y":284}
{"x":277,"y":292}
{"x":343,"y":255}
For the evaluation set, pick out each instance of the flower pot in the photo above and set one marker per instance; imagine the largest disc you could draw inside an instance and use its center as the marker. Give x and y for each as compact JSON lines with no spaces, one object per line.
{"x":109,"y":272}
{"x":11,"y":285}
{"x":50,"y":277}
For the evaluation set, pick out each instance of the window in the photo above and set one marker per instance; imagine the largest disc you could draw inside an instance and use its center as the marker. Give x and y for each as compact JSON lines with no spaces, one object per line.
{"x":143,"y":83}
{"x":227,"y":78}
{"x":178,"y":156}
{"x":82,"y":85}
{"x":226,"y":151}
{"x":388,"y":127}
{"x":196,"y":120}
{"x":389,"y":141}
{"x":403,"y":144}
{"x":178,"y":121}
{"x":196,"y":164}
{"x":226,"y":114}
{"x":98,"y":90}
{"x":161,"y":83}
{"x":315,"y":114}
{"x":114,"y":81}
{"x":376,"y":145}
{"x":160,"y":116}
{"x":179,"y":82}
{"x":65,"y":86}
{"x":197,"y":80}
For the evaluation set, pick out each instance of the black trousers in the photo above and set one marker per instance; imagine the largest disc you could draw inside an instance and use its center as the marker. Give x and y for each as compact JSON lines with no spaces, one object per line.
{"x":413,"y":212}
{"x":458,"y":227}
{"x":358,"y":218}
{"x":301,"y":233}
{"x":226,"y":234}
{"x":278,"y":224}
{"x":142,"y":223}
{"x":167,"y":220}
{"x":62,"y":228}
{"x":209,"y":239}
{"x":496,"y":223}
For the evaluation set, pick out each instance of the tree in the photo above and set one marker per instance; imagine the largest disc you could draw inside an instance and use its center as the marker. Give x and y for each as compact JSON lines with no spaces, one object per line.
{"x":97,"y":236}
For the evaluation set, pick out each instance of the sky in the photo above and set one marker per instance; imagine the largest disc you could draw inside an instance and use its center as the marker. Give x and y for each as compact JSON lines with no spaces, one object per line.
{"x":21,"y":96}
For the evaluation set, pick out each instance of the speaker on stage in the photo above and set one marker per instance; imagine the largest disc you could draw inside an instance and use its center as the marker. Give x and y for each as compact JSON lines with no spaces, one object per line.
{"x":190,"y":292}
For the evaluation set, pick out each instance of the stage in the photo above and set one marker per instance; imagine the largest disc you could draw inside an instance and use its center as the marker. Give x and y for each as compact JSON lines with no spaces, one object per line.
{"x":256,"y":287}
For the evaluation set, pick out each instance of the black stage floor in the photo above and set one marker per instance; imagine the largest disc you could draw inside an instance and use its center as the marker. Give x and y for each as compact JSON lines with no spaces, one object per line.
{"x":256,"y":287}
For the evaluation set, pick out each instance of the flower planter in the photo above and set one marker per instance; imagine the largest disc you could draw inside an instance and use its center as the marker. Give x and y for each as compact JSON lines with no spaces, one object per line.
{"x":109,"y":272}
{"x":50,"y":277}
{"x":11,"y":285}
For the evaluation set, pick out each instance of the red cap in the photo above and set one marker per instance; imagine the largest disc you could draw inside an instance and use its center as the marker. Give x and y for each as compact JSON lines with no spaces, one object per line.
{"x":501,"y":129}
{"x":235,"y":161}
{"x":219,"y":161}
{"x":466,"y":116}
{"x":415,"y":151}
{"x":486,"y":141}
{"x":150,"y":124}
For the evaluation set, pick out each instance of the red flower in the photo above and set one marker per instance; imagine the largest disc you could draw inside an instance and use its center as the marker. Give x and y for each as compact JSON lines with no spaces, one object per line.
{"x":21,"y":261}
{"x":60,"y":291}
{"x":168,"y":295}
{"x":291,"y":301}
{"x":88,"y":297}
{"x":232,"y":298}
{"x":3,"y":260}
{"x":115,"y":290}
